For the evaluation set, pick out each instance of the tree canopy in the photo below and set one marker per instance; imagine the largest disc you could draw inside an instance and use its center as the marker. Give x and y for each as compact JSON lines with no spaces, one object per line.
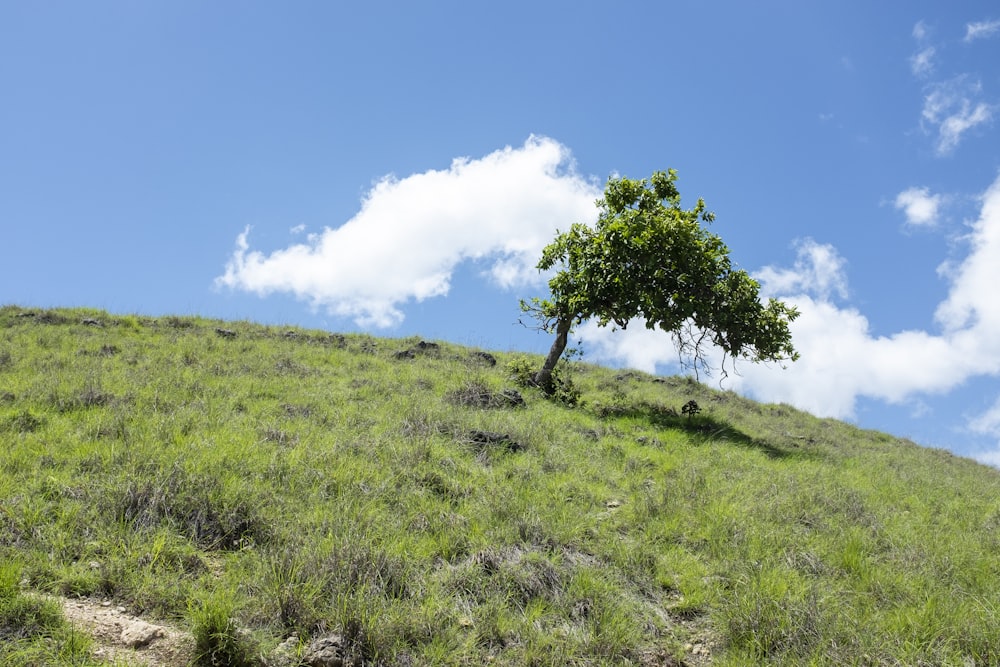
{"x":647,"y":258}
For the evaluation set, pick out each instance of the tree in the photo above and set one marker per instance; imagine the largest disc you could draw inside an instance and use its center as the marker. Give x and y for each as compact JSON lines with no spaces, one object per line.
{"x":647,"y":258}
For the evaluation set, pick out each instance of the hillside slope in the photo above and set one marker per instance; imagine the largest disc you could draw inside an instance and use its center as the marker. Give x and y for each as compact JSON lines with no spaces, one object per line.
{"x":409,"y":503}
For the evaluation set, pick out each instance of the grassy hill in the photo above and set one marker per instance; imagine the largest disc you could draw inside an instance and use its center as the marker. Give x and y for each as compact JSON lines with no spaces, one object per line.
{"x":256,"y":483}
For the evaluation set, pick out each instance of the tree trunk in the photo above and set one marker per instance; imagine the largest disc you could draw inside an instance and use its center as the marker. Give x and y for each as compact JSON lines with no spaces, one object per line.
{"x":543,"y":378}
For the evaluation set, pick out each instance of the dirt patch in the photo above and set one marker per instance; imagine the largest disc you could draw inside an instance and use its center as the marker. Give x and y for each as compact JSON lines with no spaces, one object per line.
{"x":121,"y":637}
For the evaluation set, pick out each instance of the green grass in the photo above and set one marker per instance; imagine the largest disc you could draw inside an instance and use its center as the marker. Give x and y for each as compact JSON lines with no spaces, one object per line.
{"x":278,"y":483}
{"x":32,"y":629}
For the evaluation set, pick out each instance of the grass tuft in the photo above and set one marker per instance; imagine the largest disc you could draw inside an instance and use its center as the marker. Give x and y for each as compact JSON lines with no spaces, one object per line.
{"x":218,"y":639}
{"x":200,"y":506}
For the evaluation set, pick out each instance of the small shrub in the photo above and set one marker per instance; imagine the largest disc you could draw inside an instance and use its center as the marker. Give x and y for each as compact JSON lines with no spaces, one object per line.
{"x":690,"y":409}
{"x":564,"y":390}
{"x":521,"y":371}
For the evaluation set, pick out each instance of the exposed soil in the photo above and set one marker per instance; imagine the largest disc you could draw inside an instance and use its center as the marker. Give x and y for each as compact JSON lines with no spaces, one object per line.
{"x":107,"y":624}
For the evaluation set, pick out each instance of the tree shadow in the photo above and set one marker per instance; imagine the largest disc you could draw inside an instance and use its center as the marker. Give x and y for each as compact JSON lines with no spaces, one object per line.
{"x":702,"y":428}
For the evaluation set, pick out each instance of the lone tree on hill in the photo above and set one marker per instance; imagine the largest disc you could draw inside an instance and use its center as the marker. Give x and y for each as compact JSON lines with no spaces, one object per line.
{"x":648,"y":258}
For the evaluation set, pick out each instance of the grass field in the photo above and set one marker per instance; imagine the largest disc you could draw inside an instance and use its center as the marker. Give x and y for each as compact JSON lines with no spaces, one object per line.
{"x":255,"y":483}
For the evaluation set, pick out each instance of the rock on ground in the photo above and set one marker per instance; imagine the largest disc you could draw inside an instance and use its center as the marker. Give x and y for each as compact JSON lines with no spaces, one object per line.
{"x":137,"y":634}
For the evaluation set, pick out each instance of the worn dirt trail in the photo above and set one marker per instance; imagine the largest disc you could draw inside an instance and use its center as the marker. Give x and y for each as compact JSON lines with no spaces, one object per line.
{"x":123,"y":638}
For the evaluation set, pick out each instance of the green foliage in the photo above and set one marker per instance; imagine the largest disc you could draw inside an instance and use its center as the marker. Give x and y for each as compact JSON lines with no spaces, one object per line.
{"x":647,"y":258}
{"x":266,"y":484}
{"x":522,"y":371}
{"x":690,"y":409}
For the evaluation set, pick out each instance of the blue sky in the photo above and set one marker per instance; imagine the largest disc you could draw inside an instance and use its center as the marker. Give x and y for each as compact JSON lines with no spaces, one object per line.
{"x":396,"y":168}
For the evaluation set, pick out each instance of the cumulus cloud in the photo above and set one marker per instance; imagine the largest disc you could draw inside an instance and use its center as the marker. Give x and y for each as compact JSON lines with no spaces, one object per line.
{"x":919,"y":31}
{"x":922,"y":63}
{"x":818,"y":270}
{"x":842,"y":359}
{"x":411,"y":233}
{"x":972,"y":307}
{"x":634,"y":347}
{"x":989,"y":457}
{"x":988,"y":423}
{"x":981,"y":29}
{"x":951,"y":109}
{"x":954,"y":126}
{"x":920,"y":206}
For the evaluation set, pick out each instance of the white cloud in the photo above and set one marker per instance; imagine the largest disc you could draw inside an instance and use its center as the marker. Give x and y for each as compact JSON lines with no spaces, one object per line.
{"x":919,"y":31}
{"x":981,"y":29}
{"x":989,"y":422}
{"x":922,"y":63}
{"x":841,"y":358}
{"x":972,"y":306}
{"x":411,"y":234}
{"x":957,"y":124}
{"x":920,"y":206}
{"x":990,"y":457}
{"x":818,"y":269}
{"x":951,"y":109}
{"x":635,"y":347}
